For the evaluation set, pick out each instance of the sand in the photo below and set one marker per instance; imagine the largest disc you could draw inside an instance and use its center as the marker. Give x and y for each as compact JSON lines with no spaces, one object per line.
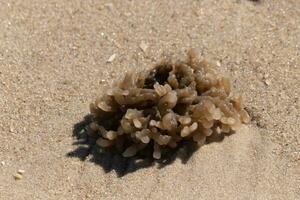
{"x":53,"y":63}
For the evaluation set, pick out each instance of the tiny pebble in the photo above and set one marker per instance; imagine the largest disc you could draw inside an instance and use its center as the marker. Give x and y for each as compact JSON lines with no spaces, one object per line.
{"x":218,"y":63}
{"x":11,"y":129}
{"x":111,"y":58}
{"x":102,"y":81}
{"x":267,"y":82}
{"x":144,"y":46}
{"x":2,"y":163}
{"x":18,"y":176}
{"x":21,"y":171}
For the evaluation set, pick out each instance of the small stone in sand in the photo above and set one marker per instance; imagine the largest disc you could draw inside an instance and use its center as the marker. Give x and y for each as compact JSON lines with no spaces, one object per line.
{"x":18,"y":176}
{"x":21,"y":171}
{"x":267,"y":82}
{"x":11,"y":129}
{"x":102,"y":81}
{"x":144,"y":46}
{"x":111,"y":58}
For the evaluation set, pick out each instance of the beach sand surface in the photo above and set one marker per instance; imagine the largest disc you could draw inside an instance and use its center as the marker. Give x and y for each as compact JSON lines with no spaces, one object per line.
{"x":53,"y":63}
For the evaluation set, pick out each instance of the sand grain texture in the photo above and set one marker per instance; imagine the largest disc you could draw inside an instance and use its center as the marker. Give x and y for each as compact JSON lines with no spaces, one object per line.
{"x":53,"y":63}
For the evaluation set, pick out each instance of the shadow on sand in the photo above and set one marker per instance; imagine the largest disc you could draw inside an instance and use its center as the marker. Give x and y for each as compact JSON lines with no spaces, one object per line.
{"x":88,"y":150}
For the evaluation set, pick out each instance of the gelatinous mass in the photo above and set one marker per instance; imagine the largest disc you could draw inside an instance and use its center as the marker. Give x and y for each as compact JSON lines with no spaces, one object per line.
{"x":155,"y":110}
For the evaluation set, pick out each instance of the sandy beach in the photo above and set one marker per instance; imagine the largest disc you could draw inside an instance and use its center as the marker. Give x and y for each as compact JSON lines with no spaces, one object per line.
{"x":57,"y":56}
